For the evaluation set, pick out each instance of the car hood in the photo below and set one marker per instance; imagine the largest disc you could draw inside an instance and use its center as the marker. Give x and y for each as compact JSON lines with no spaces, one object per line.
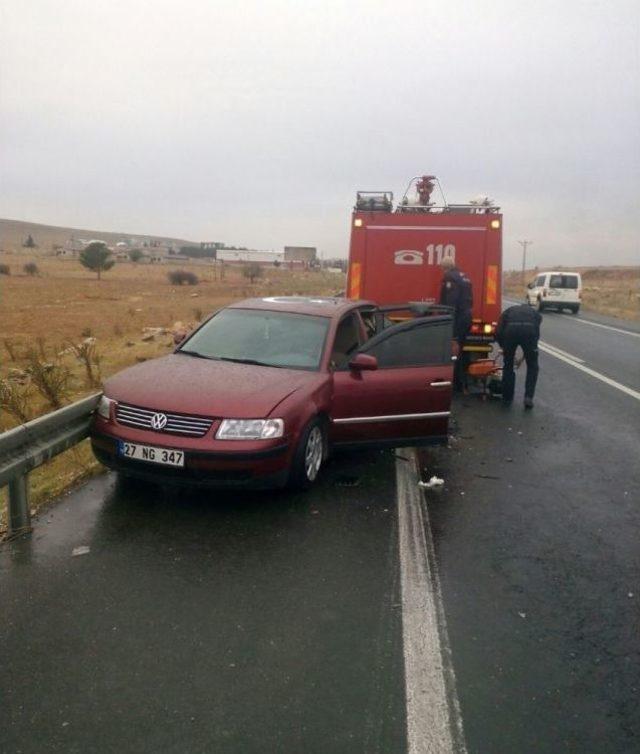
{"x":190,"y":385}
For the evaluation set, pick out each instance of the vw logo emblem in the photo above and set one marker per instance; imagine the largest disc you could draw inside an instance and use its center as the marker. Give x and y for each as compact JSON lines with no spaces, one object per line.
{"x":159,"y":421}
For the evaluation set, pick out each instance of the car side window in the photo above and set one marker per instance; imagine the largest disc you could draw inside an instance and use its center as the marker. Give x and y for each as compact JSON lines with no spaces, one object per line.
{"x":539,"y":281}
{"x":347,"y":341}
{"x":416,"y":343}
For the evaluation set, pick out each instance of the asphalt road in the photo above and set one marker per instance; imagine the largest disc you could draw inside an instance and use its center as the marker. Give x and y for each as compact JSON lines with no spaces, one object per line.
{"x":274,"y":623}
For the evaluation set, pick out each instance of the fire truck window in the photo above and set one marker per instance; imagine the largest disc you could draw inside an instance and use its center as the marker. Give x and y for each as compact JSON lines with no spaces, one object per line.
{"x":425,"y":345}
{"x":346,"y":342}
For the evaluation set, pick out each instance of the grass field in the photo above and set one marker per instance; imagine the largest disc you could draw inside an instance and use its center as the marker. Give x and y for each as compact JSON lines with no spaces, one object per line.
{"x":65,"y":304}
{"x":614,"y":291}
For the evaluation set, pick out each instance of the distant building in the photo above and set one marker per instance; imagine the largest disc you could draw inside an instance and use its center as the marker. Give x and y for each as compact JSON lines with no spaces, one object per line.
{"x":300,"y":254}
{"x":248,"y":256}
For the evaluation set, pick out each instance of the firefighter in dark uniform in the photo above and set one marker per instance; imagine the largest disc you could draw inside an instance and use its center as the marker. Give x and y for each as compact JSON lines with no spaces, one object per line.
{"x":519,"y":326}
{"x":457,"y":292}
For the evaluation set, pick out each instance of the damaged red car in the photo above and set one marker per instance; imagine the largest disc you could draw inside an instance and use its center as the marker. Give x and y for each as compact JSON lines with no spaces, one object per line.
{"x":260,"y":393}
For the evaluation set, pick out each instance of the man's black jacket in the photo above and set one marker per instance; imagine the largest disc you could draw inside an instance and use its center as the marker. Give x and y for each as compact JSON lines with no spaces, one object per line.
{"x":456,"y":291}
{"x":523,"y":316}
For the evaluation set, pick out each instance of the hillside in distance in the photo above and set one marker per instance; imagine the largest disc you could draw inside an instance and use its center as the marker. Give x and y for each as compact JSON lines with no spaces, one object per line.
{"x":13,"y":233}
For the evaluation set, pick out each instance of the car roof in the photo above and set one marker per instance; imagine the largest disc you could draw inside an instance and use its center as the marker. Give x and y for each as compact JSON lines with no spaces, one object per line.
{"x":558,"y":272}
{"x":320,"y":306}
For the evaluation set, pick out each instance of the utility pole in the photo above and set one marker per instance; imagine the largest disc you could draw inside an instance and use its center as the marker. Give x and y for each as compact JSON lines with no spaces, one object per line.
{"x":524,"y":245}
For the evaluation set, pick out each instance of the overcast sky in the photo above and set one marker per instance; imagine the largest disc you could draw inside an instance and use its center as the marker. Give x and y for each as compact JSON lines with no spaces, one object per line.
{"x":255,"y":122}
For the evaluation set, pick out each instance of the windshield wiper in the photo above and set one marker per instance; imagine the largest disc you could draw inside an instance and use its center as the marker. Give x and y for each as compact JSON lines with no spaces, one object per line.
{"x":197,"y":354}
{"x":254,"y":362}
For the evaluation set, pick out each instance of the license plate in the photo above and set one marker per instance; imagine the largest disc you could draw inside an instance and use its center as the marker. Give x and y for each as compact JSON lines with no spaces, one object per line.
{"x":151,"y":454}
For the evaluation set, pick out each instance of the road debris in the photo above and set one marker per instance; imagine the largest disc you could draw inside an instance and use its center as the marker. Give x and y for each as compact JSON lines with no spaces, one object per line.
{"x":435,"y":481}
{"x":347,"y":480}
{"x":522,"y":615}
{"x":82,"y":550}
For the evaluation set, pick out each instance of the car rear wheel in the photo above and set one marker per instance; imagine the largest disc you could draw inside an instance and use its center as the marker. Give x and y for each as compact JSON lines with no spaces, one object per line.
{"x":575,"y":309}
{"x":309,"y":456}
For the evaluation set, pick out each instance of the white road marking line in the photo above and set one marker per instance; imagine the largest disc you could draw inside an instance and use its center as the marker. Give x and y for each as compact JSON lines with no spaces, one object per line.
{"x":434,"y":722}
{"x":607,"y":380}
{"x":549,"y":347}
{"x":606,"y":327}
{"x":585,"y":321}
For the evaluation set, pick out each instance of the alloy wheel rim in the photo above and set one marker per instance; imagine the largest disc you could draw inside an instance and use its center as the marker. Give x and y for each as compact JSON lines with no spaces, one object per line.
{"x":313,"y":454}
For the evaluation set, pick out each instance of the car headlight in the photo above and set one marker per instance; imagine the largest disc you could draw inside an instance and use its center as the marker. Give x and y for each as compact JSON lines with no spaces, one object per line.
{"x":104,"y":407}
{"x":250,"y":429}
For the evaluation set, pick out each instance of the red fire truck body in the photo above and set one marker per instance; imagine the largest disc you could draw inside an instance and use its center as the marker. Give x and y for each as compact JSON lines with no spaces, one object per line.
{"x":395,"y":255}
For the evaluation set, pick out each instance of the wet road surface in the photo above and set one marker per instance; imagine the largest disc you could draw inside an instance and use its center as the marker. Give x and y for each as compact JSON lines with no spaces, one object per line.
{"x":242,"y":623}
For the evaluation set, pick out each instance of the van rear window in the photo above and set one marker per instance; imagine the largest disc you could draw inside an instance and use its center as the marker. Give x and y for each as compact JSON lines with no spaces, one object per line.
{"x":564,"y":281}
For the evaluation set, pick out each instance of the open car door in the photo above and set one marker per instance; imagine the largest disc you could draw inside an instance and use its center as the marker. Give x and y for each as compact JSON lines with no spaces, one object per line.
{"x":396,"y":389}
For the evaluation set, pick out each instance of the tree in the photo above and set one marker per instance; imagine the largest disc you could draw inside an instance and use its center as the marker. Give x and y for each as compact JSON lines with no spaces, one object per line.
{"x":30,"y":243}
{"x":252,"y":271}
{"x":96,"y":257}
{"x":135,"y":255}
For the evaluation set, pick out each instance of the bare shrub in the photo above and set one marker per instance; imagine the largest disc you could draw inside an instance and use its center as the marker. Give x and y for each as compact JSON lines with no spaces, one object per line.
{"x":11,"y":349}
{"x":15,"y":399}
{"x":5,"y":269}
{"x":51,"y":380}
{"x":180,"y":277}
{"x":41,"y":343}
{"x":86,"y":353}
{"x":252,"y":271}
{"x":31,"y":269}
{"x":87,"y":332}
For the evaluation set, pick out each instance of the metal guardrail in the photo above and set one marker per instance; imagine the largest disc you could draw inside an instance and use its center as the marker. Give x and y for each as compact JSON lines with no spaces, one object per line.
{"x":28,"y":446}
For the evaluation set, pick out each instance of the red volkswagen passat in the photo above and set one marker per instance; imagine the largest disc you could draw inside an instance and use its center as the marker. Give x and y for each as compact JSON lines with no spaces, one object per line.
{"x":262,"y":390}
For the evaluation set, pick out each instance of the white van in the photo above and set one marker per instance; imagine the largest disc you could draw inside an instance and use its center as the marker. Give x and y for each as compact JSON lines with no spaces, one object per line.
{"x":560,"y":290}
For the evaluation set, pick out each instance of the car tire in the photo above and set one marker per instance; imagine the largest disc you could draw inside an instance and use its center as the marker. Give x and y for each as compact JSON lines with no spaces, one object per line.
{"x":540,"y":306}
{"x":575,"y":309}
{"x":309,"y":456}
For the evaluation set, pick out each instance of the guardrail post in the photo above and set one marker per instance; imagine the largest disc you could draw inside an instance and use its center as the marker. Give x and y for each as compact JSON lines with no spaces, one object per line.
{"x":19,"y":519}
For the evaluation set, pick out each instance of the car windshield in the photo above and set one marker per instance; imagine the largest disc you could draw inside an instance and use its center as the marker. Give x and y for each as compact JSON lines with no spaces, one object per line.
{"x":254,"y":336}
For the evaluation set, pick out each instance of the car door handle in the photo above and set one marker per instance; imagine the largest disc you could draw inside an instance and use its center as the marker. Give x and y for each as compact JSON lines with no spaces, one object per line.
{"x":444,"y":383}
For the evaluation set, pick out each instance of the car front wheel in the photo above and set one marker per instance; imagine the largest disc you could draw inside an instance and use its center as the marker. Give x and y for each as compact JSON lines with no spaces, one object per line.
{"x":309,"y":456}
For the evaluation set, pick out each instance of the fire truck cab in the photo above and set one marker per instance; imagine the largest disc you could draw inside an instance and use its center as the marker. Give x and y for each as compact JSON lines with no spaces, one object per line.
{"x":395,"y":253}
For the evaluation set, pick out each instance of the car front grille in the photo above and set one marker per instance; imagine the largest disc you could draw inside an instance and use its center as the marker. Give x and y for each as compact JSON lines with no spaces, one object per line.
{"x":177,"y":424}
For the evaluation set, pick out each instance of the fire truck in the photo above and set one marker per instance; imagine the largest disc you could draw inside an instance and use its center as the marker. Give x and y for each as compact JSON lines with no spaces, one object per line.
{"x":396,"y":252}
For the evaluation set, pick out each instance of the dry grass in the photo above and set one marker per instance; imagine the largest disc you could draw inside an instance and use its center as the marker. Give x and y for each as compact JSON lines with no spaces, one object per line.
{"x":614,"y":291}
{"x":66,"y":303}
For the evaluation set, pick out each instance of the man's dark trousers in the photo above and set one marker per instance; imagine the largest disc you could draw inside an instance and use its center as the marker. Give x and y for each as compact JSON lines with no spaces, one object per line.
{"x":462,"y":325}
{"x":519,"y":335}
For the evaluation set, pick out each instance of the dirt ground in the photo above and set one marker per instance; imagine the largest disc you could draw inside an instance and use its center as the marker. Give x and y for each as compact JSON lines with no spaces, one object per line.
{"x":614,"y":291}
{"x":66,"y":304}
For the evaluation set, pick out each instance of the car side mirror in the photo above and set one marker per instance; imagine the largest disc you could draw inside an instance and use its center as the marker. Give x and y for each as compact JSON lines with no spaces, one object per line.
{"x":530,"y":285}
{"x":363,"y":362}
{"x":178,"y":337}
